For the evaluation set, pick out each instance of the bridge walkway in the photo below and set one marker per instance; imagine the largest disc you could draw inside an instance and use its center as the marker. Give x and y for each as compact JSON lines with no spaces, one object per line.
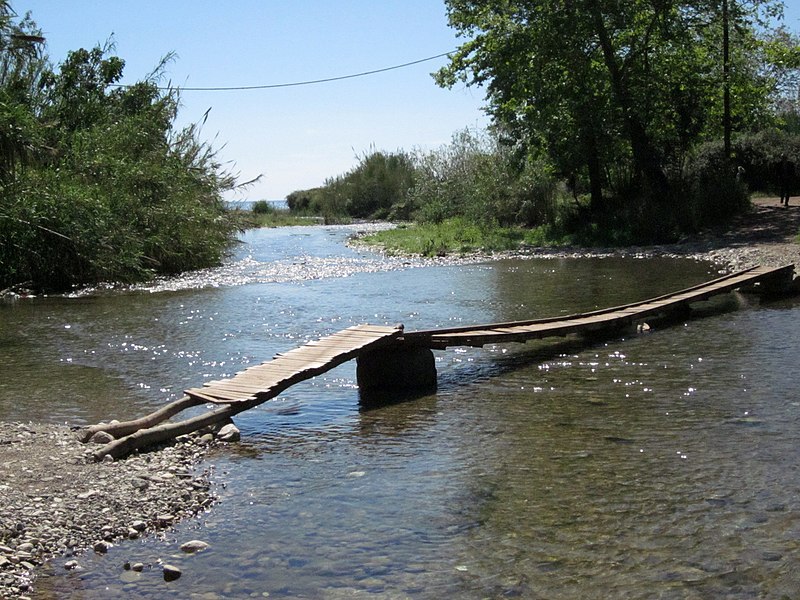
{"x":266,"y":380}
{"x":618,"y":316}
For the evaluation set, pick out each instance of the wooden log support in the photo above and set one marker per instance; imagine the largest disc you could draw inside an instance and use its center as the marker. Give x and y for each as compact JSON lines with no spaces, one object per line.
{"x":121,"y":429}
{"x":152,"y":436}
{"x":396,"y":369}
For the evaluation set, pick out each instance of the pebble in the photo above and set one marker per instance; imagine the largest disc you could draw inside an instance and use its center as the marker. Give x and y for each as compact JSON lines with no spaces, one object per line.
{"x":194,"y":546}
{"x":171,"y":572}
{"x":139,"y":525}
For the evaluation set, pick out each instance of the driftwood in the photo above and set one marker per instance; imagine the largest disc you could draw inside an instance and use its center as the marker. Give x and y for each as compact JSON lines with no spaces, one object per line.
{"x":137,"y":437}
{"x":121,"y":429}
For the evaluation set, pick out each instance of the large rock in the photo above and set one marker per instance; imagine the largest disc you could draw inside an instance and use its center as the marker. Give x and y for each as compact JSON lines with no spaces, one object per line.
{"x":171,"y":572}
{"x":229,"y":433}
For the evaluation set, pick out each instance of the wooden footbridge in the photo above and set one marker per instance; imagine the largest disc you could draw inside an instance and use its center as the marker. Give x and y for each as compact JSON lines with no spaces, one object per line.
{"x":389,"y":357}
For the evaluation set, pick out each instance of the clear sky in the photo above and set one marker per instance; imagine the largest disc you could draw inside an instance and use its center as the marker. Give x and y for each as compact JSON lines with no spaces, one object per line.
{"x":298,"y":136}
{"x":295,"y":137}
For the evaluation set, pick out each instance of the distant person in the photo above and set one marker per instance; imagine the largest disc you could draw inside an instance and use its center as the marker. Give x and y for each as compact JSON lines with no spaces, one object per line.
{"x":785,"y":176}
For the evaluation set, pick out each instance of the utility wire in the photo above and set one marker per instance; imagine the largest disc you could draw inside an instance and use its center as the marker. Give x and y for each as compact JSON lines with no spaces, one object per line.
{"x":299,"y":83}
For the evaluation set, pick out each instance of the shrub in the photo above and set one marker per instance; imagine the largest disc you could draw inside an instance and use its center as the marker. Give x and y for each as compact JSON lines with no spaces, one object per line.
{"x":482,"y":180}
{"x":370,"y":190}
{"x":113,"y":192}
{"x":262,"y":207}
{"x":759,"y":154}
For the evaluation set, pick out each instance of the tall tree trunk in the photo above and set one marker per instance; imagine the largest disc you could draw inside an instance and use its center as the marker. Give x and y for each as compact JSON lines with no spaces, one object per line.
{"x":595,"y":174}
{"x":645,"y":157}
{"x":726,"y":81}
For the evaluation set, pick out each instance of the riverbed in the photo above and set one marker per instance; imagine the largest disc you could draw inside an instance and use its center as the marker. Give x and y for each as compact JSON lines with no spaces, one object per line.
{"x":661,"y":465}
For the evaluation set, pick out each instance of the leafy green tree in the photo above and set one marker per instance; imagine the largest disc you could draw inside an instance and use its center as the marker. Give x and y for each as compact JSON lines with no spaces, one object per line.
{"x":617,"y":92}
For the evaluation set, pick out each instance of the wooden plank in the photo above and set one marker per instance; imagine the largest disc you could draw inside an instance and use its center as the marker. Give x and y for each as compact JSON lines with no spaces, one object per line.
{"x":267,"y":379}
{"x":312,"y":354}
{"x":237,"y":386}
{"x":267,"y":372}
{"x":228,"y":396}
{"x":478,"y":335}
{"x":416,"y":335}
{"x":201,"y":394}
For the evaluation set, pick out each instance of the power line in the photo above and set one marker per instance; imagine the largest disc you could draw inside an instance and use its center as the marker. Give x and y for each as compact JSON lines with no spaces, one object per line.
{"x":310,"y":82}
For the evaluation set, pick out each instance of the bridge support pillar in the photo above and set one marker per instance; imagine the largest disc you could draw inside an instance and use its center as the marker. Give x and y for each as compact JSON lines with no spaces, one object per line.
{"x":396,"y":369}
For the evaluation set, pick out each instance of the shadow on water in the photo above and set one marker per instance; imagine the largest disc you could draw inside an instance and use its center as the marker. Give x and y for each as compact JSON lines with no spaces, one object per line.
{"x":376,"y":399}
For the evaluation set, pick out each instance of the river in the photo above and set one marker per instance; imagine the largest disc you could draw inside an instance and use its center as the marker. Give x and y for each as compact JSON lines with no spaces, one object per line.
{"x":660,"y":465}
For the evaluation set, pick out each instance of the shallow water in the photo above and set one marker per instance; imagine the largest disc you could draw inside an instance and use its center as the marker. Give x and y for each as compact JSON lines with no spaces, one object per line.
{"x":657,"y":466}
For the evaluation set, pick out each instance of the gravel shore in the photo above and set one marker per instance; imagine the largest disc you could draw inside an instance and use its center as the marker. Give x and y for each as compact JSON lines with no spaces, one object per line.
{"x":55,"y":500}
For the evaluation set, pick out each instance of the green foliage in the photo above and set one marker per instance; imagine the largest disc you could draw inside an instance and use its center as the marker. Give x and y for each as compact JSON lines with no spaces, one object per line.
{"x":461,"y":236}
{"x":262,"y":207}
{"x":759,"y":154}
{"x":475,"y":177}
{"x":96,"y":184}
{"x":435,"y":238}
{"x":305,"y":202}
{"x":370,"y":190}
{"x":618,"y":94}
{"x":19,"y":136}
{"x":479,"y":178}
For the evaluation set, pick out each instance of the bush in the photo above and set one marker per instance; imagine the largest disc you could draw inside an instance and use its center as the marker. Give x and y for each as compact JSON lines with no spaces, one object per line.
{"x":262,"y":207}
{"x":480,"y":179}
{"x":370,"y":190}
{"x":760,"y":153}
{"x":113,"y":192}
{"x":305,"y":202}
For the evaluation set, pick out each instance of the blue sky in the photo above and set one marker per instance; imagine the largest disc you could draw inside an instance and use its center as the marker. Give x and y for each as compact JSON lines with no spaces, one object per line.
{"x":295,"y":137}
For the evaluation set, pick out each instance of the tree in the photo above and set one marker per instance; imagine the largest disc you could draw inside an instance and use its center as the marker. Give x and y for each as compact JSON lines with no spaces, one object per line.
{"x":620,"y":91}
{"x":21,"y":63}
{"x":96,"y":183}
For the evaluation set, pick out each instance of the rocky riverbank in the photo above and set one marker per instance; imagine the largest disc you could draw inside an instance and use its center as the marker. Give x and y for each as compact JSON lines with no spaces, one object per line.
{"x":56,"y":501}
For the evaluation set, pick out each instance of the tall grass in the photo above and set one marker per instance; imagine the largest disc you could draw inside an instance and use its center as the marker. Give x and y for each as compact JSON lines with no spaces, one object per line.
{"x":109,"y":189}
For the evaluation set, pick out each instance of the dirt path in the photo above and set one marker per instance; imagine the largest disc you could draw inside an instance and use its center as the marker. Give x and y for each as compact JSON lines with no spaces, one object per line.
{"x":765,"y":236}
